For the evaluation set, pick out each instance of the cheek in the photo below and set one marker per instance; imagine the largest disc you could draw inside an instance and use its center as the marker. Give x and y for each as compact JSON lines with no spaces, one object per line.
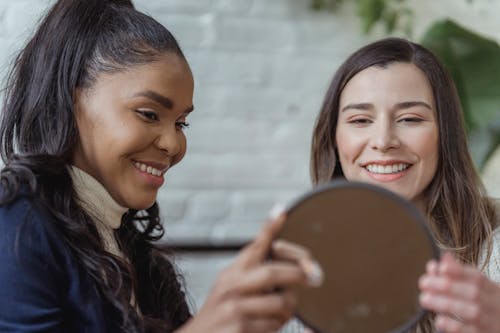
{"x":426,"y":145}
{"x":89,"y":133}
{"x":432,"y":155}
{"x":348,"y":145}
{"x":183,"y":148}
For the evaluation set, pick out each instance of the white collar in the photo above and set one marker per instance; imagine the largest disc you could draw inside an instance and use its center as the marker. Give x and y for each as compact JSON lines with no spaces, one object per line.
{"x":95,"y":199}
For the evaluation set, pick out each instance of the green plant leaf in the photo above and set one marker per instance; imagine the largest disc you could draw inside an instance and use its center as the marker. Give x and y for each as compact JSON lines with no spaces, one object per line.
{"x":474,"y":63}
{"x":317,"y":4}
{"x":325,"y":4}
{"x":371,"y":11}
{"x":391,"y":19}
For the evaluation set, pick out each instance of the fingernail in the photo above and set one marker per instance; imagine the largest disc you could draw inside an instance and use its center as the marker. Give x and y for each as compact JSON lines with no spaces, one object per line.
{"x":430,"y":265}
{"x":425,"y":298}
{"x":314,"y":274}
{"x":423,"y":281}
{"x":276,"y":211}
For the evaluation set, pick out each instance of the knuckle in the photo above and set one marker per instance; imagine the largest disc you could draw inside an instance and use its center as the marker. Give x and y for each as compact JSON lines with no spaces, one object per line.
{"x":238,"y":327}
{"x":307,"y":253}
{"x":292,"y":301}
{"x":276,"y":324}
{"x":477,"y":278}
{"x":446,"y":285}
{"x":474,"y":314}
{"x":224,"y":275}
{"x":446,"y":305}
{"x":268,"y":273}
{"x":282,"y":303}
{"x":224,"y":282}
{"x":262,"y":239}
{"x":475,"y":293}
{"x":286,"y":306}
{"x":277,"y":305}
{"x":278,"y":244}
{"x":232,"y":310}
{"x":230,"y":276}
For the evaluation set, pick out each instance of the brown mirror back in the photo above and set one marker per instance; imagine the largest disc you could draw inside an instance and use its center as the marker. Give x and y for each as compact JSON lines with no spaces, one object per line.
{"x":372,"y":246}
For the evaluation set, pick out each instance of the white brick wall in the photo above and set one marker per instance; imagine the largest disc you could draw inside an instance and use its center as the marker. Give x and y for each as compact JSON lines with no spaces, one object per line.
{"x":261,"y":68}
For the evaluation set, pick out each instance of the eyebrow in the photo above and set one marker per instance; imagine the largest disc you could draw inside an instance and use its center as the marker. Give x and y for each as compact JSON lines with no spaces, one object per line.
{"x":357,"y":106}
{"x":160,"y":99}
{"x":398,"y":106}
{"x":410,"y":104}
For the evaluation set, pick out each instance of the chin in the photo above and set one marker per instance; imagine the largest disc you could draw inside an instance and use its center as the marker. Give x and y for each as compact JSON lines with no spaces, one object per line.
{"x":405,"y":195}
{"x":145,"y":205}
{"x":140,"y":199}
{"x":141,"y":203}
{"x":397,"y":191}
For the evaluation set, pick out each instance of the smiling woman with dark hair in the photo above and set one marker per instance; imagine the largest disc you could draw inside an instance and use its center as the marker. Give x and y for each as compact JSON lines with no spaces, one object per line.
{"x":95,"y":112}
{"x":392,"y":117}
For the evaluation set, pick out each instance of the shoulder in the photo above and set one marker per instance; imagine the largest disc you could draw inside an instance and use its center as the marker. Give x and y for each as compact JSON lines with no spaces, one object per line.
{"x":45,"y":288}
{"x":33,"y":267}
{"x":29,"y":241}
{"x":25,"y":223}
{"x":40,"y":277}
{"x":496,"y":203}
{"x":492,"y":267}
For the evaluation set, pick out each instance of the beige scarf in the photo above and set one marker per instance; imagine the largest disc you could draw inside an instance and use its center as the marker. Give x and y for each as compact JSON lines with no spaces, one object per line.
{"x":98,"y":203}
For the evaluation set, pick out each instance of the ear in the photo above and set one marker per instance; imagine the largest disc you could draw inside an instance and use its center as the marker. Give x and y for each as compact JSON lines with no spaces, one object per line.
{"x":337,"y":170}
{"x":76,"y":97}
{"x":79,"y":99}
{"x":78,"y":109}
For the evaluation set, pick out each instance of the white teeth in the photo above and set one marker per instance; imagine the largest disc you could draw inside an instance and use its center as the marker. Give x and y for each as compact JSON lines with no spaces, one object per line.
{"x":149,"y":169}
{"x":387,"y":169}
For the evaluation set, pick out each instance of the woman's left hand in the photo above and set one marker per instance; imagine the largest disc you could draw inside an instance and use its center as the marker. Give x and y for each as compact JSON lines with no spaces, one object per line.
{"x":464,"y":300}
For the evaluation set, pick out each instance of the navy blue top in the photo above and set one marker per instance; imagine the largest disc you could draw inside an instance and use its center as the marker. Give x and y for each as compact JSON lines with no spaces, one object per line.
{"x":42,"y":287}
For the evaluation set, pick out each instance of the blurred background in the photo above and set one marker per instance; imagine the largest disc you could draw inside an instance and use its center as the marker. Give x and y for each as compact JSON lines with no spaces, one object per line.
{"x":261,"y":68}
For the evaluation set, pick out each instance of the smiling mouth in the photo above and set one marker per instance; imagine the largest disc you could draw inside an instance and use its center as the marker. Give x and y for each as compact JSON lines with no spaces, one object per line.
{"x":149,"y":169}
{"x":387,"y":169}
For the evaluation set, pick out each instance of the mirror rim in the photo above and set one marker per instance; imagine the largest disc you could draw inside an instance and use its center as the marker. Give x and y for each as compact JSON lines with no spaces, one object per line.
{"x":407,"y":206}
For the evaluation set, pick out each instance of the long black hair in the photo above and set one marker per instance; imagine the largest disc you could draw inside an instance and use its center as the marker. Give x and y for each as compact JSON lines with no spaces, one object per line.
{"x":76,"y":41}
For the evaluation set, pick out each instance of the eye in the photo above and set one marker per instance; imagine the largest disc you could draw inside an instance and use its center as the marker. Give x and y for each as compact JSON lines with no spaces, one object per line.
{"x":147,"y":115}
{"x":359,"y":121}
{"x":182,"y":124}
{"x":411,"y":120}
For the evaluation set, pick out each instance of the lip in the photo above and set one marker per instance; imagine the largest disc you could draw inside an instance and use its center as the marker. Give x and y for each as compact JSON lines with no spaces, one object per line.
{"x":387,"y":177}
{"x":153,"y":181}
{"x":385,"y":162}
{"x":163,"y":167}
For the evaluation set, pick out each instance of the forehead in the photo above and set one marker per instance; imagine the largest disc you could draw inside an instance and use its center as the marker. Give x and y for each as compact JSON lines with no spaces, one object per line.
{"x":393,"y":82}
{"x":169,"y":75}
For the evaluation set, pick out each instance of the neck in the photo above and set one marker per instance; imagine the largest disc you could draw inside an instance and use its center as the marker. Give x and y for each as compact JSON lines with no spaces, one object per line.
{"x":95,"y":199}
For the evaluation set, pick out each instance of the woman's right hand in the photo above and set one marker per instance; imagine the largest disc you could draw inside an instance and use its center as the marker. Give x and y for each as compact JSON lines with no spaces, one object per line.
{"x":254,"y":294}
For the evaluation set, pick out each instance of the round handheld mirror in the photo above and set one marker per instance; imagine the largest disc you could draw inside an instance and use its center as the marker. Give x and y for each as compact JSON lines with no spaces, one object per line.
{"x":373,"y":246}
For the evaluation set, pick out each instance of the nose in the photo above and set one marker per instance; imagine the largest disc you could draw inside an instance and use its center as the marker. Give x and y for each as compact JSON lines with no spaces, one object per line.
{"x":384,"y":138}
{"x":169,"y":141}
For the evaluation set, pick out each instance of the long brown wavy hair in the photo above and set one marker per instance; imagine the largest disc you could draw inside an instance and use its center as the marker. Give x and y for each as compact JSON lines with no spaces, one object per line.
{"x":461,"y":216}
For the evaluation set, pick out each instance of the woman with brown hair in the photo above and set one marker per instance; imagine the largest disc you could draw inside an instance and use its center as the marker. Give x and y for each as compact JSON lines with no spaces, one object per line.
{"x":392,"y":117}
